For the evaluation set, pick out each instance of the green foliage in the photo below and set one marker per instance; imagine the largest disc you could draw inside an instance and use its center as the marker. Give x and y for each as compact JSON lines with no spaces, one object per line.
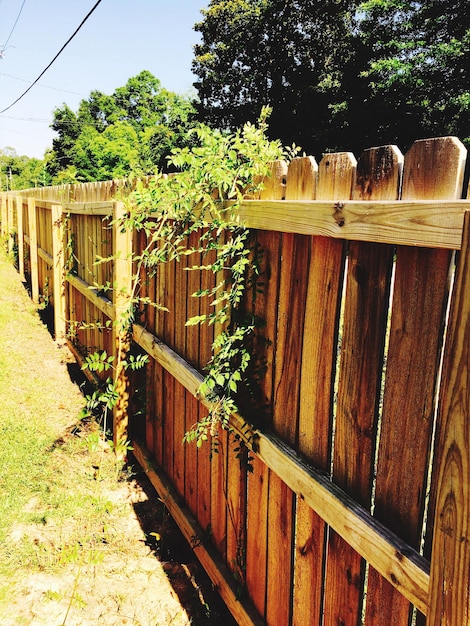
{"x":286,"y":55}
{"x":213,"y":177}
{"x":418,"y":66}
{"x":105,"y":396}
{"x":324,"y":67}
{"x":130,"y":132}
{"x":21,"y":172}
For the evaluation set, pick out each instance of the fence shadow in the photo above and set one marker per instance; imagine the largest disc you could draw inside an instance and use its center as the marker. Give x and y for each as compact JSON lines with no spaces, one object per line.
{"x":193,"y":587}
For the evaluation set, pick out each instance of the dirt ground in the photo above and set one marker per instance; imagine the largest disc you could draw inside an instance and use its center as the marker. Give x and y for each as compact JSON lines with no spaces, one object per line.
{"x":146,"y":574}
{"x":147,"y":583}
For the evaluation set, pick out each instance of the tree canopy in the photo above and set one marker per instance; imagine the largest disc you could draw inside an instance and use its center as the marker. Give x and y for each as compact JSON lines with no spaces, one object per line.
{"x":131,"y":131}
{"x":287,"y":55}
{"x":21,"y":172}
{"x":338,"y":74}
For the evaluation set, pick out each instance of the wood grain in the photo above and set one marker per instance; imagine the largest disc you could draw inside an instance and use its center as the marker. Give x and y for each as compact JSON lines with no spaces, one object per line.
{"x":414,"y":223}
{"x":450,"y":566}
{"x":418,"y":310}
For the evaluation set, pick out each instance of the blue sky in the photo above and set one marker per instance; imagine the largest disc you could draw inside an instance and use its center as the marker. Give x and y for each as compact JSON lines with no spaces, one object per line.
{"x":119,"y":40}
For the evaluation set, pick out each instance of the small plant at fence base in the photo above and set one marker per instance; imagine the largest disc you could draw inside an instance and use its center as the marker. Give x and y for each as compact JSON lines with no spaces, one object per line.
{"x":106,"y":395}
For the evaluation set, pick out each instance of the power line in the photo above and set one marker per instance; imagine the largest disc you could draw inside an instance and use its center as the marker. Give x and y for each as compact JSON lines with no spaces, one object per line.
{"x":24,"y":80}
{"x":4,"y":47}
{"x":53,"y":60}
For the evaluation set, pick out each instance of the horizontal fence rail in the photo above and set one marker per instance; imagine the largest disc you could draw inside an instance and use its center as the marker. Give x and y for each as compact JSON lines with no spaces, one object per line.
{"x":353,"y":506}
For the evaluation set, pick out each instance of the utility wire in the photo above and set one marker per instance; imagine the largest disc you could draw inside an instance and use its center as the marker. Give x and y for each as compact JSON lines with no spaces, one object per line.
{"x":4,"y":47}
{"x":24,"y":80}
{"x":53,"y":60}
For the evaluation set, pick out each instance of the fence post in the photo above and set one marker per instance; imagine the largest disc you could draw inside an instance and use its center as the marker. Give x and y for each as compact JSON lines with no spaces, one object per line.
{"x":20,"y":235}
{"x":10,"y":221}
{"x":449,"y":600}
{"x":3,"y":215}
{"x":33,"y":249}
{"x":122,"y":283}
{"x":58,"y":270}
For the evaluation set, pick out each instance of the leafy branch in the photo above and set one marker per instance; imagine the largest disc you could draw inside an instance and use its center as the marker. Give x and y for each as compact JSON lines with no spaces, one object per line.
{"x":214,"y":177}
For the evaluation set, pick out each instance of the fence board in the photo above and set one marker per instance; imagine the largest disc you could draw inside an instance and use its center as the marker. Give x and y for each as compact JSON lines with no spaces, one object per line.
{"x":413,"y":223}
{"x":362,"y":346}
{"x":20,"y":236}
{"x":203,"y":340}
{"x":418,"y":308}
{"x":317,"y":377}
{"x":192,"y":406}
{"x":58,"y":271}
{"x":33,"y":249}
{"x":449,"y":597}
{"x":168,"y":335}
{"x":178,"y":313}
{"x":266,"y":572}
{"x":301,"y":185}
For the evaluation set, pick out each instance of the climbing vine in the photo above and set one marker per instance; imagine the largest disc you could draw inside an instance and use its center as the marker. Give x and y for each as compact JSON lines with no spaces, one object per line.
{"x":204,"y":195}
{"x":214,"y":176}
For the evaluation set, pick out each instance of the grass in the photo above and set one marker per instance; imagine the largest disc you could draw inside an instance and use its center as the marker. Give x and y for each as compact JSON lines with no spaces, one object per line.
{"x":49,"y":458}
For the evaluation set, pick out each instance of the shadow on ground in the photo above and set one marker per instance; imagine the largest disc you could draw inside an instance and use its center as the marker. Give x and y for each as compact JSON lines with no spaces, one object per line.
{"x":187,"y":577}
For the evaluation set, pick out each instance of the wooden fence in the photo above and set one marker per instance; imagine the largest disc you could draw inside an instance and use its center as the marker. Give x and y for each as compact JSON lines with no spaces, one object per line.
{"x":355,"y":505}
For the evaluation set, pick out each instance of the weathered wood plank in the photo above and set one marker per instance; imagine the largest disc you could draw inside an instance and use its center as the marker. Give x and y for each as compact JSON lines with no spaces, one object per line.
{"x":418,"y":309}
{"x":178,"y":314}
{"x":360,"y":370}
{"x":33,"y":249}
{"x":192,"y":406}
{"x":85,"y":208}
{"x":302,"y":178}
{"x":168,"y":333}
{"x":159,"y":413}
{"x":20,"y":235}
{"x":122,"y":283}
{"x":415,"y":223}
{"x":262,"y":558}
{"x":11,"y":223}
{"x":449,"y":598}
{"x":58,"y":271}
{"x":41,"y":253}
{"x":337,"y":177}
{"x":92,"y":294}
{"x":324,"y":278}
{"x":294,"y":251}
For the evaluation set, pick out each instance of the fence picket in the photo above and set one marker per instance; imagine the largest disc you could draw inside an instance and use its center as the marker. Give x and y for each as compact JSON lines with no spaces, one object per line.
{"x":324,"y":277}
{"x":260,"y":502}
{"x":20,"y":236}
{"x":449,"y":599}
{"x":33,"y":249}
{"x":362,"y":346}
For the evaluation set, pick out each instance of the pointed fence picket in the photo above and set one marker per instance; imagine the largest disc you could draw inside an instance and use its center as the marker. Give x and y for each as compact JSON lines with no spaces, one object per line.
{"x":354,"y":507}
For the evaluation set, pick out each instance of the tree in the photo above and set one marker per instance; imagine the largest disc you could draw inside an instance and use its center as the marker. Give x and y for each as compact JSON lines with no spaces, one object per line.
{"x":107,"y":155}
{"x":131,"y":131}
{"x":287,"y":55}
{"x":418,"y":68}
{"x":339,"y":74}
{"x":67,"y":125}
{"x":21,"y":172}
